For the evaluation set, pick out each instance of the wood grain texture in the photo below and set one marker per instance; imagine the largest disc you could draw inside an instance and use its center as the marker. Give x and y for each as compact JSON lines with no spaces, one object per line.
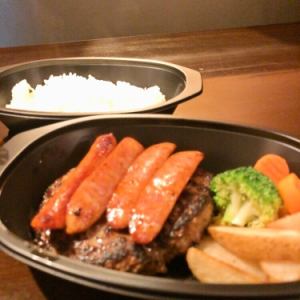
{"x":266,"y":100}
{"x":214,"y":53}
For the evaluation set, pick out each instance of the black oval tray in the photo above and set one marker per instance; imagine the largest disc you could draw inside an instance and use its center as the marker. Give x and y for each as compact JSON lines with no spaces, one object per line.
{"x":30,"y":161}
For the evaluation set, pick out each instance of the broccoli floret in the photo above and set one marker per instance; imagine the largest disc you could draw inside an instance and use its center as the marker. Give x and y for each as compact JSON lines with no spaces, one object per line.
{"x":245,"y":197}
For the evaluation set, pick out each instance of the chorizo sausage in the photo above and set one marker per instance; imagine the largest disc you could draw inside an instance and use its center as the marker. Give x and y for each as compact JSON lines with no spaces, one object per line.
{"x":90,"y":199}
{"x":124,"y":198}
{"x":52,"y":214}
{"x":160,"y":195}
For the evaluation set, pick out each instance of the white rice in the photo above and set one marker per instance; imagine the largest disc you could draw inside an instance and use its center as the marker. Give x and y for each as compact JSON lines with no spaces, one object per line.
{"x":74,"y":93}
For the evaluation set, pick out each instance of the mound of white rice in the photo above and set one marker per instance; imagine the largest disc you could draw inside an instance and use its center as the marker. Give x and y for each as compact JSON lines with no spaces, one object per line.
{"x":74,"y":93}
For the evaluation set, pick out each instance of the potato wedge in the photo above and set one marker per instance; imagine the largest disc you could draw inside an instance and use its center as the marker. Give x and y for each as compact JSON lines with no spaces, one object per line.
{"x":215,"y":250}
{"x":291,"y":222}
{"x":210,"y":270}
{"x":3,"y":132}
{"x":259,"y":244}
{"x":281,"y":271}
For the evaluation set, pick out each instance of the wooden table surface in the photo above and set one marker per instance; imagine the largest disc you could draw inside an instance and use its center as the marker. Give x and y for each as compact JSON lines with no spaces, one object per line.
{"x":251,"y":76}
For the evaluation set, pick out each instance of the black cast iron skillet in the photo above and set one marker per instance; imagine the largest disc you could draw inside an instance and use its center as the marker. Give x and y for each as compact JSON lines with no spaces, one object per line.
{"x":176,"y":82}
{"x":30,"y":161}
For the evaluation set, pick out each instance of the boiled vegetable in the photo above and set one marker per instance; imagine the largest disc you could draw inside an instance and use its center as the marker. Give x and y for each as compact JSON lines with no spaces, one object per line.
{"x":273,"y":166}
{"x":289,"y":190}
{"x":281,"y":271}
{"x":259,"y":244}
{"x":245,"y":197}
{"x":211,"y":270}
{"x":291,"y":222}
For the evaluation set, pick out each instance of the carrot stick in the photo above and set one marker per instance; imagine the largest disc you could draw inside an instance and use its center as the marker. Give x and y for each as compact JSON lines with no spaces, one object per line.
{"x":289,"y":190}
{"x":273,"y":166}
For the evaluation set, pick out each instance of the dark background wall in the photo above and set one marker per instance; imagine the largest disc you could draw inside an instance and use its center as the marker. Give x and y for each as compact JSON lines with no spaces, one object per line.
{"x":50,"y":21}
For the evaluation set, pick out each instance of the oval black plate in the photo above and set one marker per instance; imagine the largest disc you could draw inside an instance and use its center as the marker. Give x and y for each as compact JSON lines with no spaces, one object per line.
{"x":33,"y":159}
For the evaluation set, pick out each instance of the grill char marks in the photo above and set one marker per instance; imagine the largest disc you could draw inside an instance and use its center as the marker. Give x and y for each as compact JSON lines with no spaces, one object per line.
{"x":116,"y":250}
{"x":103,"y":246}
{"x":191,"y":214}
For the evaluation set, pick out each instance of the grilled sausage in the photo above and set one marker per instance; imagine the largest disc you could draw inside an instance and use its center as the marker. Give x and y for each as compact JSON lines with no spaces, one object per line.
{"x":160,"y":195}
{"x":120,"y":206}
{"x":52,"y":215}
{"x":90,"y":200}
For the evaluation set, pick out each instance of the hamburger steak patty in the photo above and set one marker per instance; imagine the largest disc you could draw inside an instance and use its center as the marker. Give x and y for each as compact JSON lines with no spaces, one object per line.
{"x":103,"y":246}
